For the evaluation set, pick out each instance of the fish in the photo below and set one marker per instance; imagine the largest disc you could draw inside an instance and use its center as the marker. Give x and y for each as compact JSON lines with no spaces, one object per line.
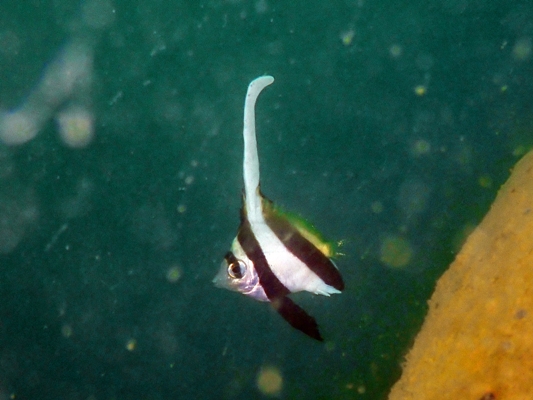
{"x":275,"y":253}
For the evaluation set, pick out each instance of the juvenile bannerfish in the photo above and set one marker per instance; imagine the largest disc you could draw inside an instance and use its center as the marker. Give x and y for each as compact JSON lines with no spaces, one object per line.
{"x":275,"y":253}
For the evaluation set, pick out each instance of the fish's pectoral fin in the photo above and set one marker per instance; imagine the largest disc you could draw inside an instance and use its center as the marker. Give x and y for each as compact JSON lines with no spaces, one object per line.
{"x":297,"y":317}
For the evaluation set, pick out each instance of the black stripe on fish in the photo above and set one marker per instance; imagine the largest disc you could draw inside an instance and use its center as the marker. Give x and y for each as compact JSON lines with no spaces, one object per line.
{"x":302,"y":248}
{"x":274,"y":289}
{"x":230,"y":258}
{"x":269,"y":282}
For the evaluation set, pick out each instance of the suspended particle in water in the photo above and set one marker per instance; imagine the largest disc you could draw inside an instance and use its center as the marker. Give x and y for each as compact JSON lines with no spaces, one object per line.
{"x":522,"y":49}
{"x":421,"y":147}
{"x":519,"y":150}
{"x":485,"y":181}
{"x":347,"y":37}
{"x":19,"y":126}
{"x":420,"y":90}
{"x":181,"y":208}
{"x":413,"y":197}
{"x":174,"y":274}
{"x":62,"y":309}
{"x":54,"y":238}
{"x":269,"y":381}
{"x":131,"y":345}
{"x":66,"y":331}
{"x":76,"y":126}
{"x":158,"y":48}
{"x":395,"y":50}
{"x":116,"y":98}
{"x":261,"y":7}
{"x":396,"y":252}
{"x":189,"y":180}
{"x":330,"y":346}
{"x":377,"y":207}
{"x":68,"y":75}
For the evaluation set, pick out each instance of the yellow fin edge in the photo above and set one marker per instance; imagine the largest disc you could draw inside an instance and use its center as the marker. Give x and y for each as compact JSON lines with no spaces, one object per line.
{"x":329,"y":248}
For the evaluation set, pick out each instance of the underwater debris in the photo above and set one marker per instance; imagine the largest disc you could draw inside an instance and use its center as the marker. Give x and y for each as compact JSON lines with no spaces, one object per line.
{"x":396,"y":251}
{"x":269,"y":381}
{"x":64,"y":90}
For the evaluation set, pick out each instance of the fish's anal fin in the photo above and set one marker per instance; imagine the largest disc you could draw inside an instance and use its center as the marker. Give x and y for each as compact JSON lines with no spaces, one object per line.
{"x":297,"y":317}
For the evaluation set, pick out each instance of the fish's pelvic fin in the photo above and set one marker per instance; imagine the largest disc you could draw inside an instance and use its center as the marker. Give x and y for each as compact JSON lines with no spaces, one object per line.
{"x":297,"y":317}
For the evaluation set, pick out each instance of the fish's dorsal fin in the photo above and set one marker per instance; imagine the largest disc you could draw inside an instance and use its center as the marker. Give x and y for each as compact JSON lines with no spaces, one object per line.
{"x":251,"y":159}
{"x":329,"y":248}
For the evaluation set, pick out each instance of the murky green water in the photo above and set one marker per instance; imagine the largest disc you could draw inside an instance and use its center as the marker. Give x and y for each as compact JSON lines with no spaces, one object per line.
{"x":390,"y":126}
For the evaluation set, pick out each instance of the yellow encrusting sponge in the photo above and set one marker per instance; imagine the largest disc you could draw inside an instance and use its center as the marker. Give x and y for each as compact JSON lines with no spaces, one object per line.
{"x":477,"y":340}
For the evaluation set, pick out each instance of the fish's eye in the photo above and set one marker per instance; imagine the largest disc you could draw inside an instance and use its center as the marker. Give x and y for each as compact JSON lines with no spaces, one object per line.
{"x":236,"y":269}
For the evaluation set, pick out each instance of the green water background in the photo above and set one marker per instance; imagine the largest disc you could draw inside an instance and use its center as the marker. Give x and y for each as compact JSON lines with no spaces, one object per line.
{"x":89,"y":235}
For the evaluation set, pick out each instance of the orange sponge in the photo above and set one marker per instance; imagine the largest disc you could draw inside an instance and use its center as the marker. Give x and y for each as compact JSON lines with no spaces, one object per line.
{"x":477,"y":340}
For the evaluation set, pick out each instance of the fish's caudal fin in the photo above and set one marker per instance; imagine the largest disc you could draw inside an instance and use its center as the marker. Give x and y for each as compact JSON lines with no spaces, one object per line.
{"x":297,"y":317}
{"x":251,"y":159}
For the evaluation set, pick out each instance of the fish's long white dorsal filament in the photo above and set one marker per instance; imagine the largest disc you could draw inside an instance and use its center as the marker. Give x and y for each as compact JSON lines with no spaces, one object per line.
{"x":251,"y":159}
